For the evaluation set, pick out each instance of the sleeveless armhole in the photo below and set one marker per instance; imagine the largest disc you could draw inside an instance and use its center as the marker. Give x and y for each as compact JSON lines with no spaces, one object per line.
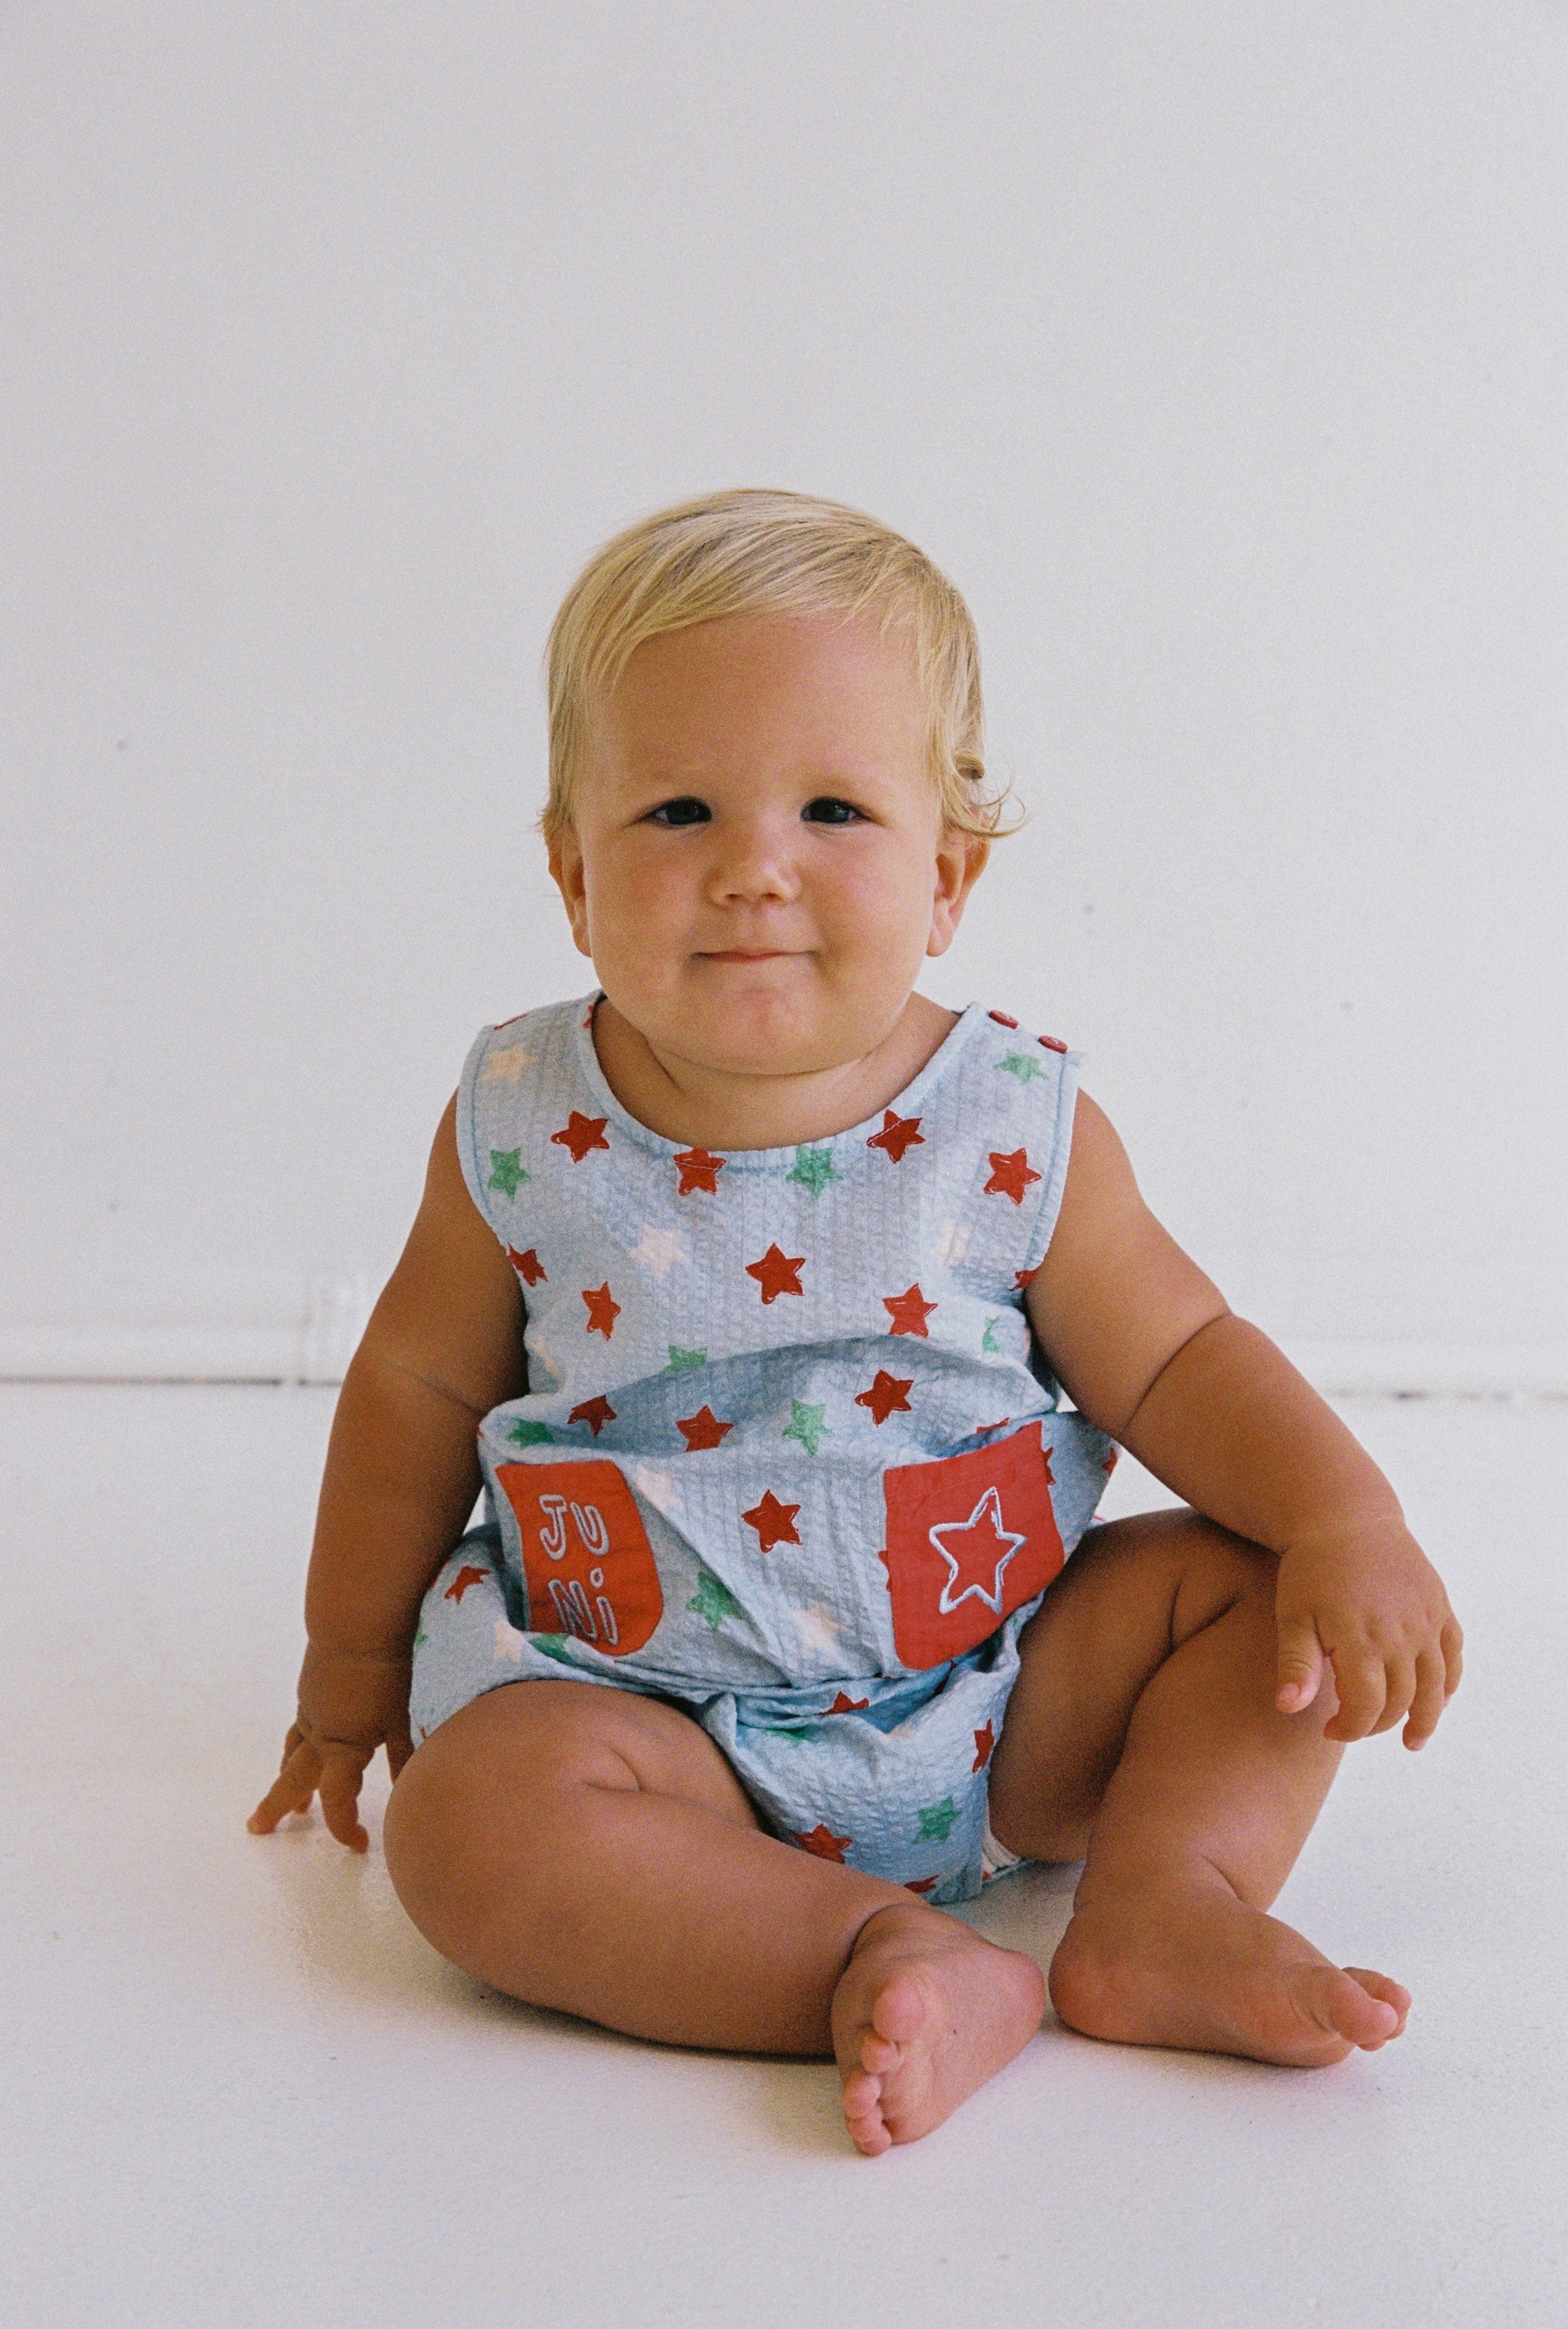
{"x":475,"y":1176}
{"x":1057,"y":1109}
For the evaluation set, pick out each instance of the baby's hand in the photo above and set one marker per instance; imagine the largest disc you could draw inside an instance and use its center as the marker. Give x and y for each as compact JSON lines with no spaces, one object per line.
{"x":349,"y":1705}
{"x":1366,"y":1601}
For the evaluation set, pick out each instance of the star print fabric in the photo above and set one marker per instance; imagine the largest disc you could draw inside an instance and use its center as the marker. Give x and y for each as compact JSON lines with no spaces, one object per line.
{"x":787,"y":1456}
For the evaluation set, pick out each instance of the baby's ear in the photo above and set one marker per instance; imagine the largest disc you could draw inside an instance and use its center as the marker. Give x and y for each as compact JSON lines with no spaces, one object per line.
{"x":960,"y":861}
{"x":565,"y":858}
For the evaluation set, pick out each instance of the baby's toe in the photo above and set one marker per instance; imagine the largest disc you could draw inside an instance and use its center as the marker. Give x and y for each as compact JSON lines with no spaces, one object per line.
{"x":1379,"y":1986}
{"x":878,"y":2055}
{"x":1341,"y":2003}
{"x":862,"y":2096}
{"x":899,"y":2011}
{"x":862,"y":2113}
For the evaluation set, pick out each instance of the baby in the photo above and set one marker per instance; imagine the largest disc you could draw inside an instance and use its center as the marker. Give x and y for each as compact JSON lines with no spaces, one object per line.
{"x":745,"y":1288}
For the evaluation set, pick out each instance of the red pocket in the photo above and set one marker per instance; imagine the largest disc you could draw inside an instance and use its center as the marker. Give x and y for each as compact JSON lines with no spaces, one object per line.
{"x":969,"y":1539}
{"x":586,"y":1557}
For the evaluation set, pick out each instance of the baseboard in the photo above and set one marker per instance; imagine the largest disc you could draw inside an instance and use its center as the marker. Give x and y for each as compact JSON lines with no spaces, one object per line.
{"x":1433,"y":1369}
{"x":302,"y":1331}
{"x":310,"y":1337}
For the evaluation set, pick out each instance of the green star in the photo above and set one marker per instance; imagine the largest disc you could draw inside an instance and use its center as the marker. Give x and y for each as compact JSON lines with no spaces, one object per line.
{"x":554,"y":1646}
{"x":806,"y":1426}
{"x":987,"y":1341}
{"x":680,"y":1359}
{"x":814,"y":1169}
{"x":787,"y":1731}
{"x":1020,"y":1064}
{"x":421,"y":1638}
{"x":531,"y":1435}
{"x":714,"y":1602}
{"x":937,"y":1820}
{"x":506,"y":1171}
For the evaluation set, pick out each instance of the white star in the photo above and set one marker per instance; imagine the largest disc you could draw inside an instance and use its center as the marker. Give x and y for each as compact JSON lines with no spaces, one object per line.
{"x":980,"y":1556}
{"x":505,"y":1067}
{"x":658,"y":1248}
{"x":819,"y":1628}
{"x":954,"y":1242}
{"x":508,"y":1642}
{"x":657,"y":1487}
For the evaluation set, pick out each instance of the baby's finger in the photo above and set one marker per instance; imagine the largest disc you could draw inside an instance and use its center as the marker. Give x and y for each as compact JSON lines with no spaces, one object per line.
{"x":1430,"y":1698}
{"x":1399,"y":1689}
{"x":1362,"y":1687}
{"x":1301,"y":1665}
{"x":290,"y":1791}
{"x":1453,"y":1644}
{"x":339,"y":1789}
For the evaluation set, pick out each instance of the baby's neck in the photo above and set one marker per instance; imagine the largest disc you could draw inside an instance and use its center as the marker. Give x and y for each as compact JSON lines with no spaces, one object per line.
{"x":721,"y":1108}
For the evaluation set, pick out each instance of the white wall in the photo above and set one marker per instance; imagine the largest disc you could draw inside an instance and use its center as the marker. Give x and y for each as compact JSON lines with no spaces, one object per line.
{"x":1216,"y":348}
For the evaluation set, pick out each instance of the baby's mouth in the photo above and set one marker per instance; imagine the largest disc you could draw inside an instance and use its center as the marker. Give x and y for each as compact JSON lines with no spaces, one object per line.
{"x":748,"y":954}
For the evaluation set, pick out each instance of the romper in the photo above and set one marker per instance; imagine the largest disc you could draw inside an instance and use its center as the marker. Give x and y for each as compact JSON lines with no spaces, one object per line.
{"x":790,"y":1457}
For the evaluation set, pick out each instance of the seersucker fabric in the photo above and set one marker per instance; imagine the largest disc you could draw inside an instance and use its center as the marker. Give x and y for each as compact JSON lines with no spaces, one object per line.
{"x":788,"y":1457}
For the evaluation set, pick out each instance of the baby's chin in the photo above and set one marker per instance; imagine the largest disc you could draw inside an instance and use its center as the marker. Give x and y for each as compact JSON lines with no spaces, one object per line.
{"x":750,"y":1029}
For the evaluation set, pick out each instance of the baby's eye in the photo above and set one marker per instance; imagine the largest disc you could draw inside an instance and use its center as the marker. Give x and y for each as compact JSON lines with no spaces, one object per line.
{"x":830,"y":811}
{"x":688,"y":810}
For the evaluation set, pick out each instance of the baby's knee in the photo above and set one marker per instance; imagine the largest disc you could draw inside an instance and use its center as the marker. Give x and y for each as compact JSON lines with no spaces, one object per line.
{"x":427,"y":1842}
{"x":466,"y":1823}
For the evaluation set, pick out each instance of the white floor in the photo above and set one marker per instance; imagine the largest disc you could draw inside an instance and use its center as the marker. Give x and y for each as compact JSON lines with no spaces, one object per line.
{"x":242,"y":2090}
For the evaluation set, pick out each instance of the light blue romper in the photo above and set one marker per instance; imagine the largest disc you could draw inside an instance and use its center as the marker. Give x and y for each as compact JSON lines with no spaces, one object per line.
{"x":788,"y":1457}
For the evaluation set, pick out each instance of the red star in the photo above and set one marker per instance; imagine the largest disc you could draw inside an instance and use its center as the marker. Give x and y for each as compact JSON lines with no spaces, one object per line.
{"x":1001,"y":1019}
{"x":982,"y":1427}
{"x":698,"y":1169}
{"x":922,"y":1884}
{"x":528,"y":1266}
{"x":1053,"y":1044}
{"x":825,"y":1843}
{"x":1021,"y":1278}
{"x":886,"y":1392}
{"x":461,"y":1583}
{"x":703,"y":1429}
{"x":603,"y":1310}
{"x":1010,"y":1176}
{"x":897,"y":1132}
{"x":777,"y":1273}
{"x":984,"y":1741}
{"x":581,"y":1133}
{"x":595,"y":1413}
{"x":773,"y":1521}
{"x":1108,"y":1462}
{"x":842,"y":1705}
{"x":909,"y":1312}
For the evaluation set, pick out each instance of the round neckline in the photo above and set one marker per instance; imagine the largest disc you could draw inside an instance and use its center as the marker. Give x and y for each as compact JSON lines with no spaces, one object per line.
{"x":958,"y":1035}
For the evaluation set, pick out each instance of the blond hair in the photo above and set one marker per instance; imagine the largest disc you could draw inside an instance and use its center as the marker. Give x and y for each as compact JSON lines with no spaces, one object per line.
{"x":760,"y":552}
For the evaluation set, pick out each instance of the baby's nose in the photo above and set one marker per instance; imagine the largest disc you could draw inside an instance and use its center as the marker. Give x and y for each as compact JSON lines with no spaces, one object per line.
{"x":754,"y":863}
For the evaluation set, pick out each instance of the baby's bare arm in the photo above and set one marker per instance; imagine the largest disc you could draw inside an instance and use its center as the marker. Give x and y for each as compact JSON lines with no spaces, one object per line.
{"x":444,"y":1344}
{"x":1150,"y":1349}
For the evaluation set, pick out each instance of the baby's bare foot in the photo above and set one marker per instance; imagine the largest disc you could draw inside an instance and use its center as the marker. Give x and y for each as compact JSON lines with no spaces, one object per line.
{"x":925,"y":2012}
{"x":1187,"y":1963}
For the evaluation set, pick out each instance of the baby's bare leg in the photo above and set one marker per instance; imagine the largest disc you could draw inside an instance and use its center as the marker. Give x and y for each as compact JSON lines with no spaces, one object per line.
{"x":593,"y":1851}
{"x":1143,"y":1732}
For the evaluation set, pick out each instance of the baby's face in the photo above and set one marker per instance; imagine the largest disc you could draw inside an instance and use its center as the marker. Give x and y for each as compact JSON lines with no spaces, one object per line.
{"x":757,"y":863}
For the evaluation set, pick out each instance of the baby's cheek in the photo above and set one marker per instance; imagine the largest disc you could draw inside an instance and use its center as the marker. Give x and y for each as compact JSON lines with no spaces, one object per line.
{"x":882,"y":926}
